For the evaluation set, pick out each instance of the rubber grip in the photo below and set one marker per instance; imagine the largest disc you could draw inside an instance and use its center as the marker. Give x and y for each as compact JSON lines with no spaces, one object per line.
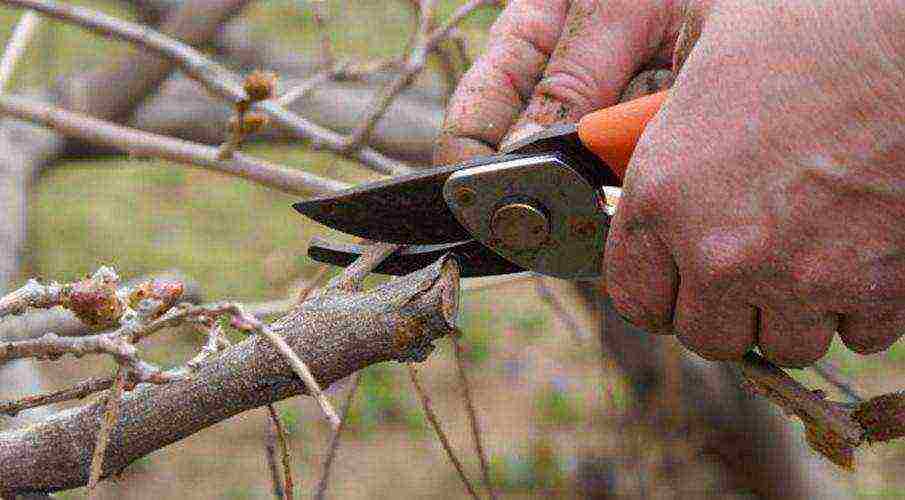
{"x":612,"y":133}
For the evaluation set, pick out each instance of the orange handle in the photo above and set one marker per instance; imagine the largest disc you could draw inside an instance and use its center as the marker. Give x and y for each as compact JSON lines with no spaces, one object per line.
{"x":612,"y":133}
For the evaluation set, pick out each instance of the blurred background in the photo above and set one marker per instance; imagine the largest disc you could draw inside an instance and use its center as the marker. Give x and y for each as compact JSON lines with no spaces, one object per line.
{"x":563,"y":414}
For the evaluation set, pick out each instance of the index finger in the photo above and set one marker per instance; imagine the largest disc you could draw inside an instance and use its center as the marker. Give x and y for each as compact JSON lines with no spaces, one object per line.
{"x":493,"y":93}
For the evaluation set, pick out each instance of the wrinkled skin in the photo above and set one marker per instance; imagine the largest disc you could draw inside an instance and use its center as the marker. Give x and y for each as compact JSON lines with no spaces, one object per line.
{"x":764,"y":205}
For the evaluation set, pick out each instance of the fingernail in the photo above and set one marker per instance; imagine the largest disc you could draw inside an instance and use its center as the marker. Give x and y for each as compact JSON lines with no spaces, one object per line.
{"x":520,"y":132}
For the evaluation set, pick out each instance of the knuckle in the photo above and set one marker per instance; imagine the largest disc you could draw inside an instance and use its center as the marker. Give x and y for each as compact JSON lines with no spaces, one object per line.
{"x":726,"y":256}
{"x":571,"y":87}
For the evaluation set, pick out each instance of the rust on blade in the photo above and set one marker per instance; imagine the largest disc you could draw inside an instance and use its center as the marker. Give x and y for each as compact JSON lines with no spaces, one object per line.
{"x":474,"y":258}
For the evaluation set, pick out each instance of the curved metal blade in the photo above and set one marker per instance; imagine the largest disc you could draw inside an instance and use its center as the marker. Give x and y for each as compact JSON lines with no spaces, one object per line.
{"x":474,"y":258}
{"x":409,"y":209}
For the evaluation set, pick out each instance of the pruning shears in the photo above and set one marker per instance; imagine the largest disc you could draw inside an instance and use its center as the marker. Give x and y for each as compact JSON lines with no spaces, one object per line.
{"x":543,"y":205}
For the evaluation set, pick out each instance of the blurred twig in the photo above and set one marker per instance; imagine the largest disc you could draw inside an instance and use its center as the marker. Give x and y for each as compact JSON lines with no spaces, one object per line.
{"x":435,"y":423}
{"x":831,"y":374}
{"x":324,"y":483}
{"x":15,"y":47}
{"x":214,"y":77}
{"x":144,"y":144}
{"x":427,"y":40}
{"x":476,"y":433}
{"x":547,"y":295}
{"x":270,"y":454}
{"x":277,"y":426}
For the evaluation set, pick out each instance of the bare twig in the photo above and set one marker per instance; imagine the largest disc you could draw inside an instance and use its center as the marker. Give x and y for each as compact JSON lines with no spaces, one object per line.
{"x":247,"y":322}
{"x":324,"y":481}
{"x":78,"y":391}
{"x":270,"y":454}
{"x":214,"y":77}
{"x":547,"y":295}
{"x":144,"y":144}
{"x":435,"y":423}
{"x":15,"y":47}
{"x":351,"y":278}
{"x":414,"y":64}
{"x":103,"y":434}
{"x":286,"y":458}
{"x":830,"y":428}
{"x":476,"y":433}
{"x":320,"y":25}
{"x":831,"y":374}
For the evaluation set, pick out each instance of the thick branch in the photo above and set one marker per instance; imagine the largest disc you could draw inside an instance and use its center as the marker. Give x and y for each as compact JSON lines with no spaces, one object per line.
{"x":335,"y":334}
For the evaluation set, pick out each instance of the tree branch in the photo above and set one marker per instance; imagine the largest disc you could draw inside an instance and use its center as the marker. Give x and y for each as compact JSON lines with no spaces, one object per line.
{"x":145,"y":144}
{"x":335,"y":334}
{"x":215,"y":78}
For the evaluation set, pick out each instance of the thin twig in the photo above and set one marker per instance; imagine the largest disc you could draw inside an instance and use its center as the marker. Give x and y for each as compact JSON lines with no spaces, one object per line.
{"x":111,"y":415}
{"x":78,"y":391}
{"x":320,"y":26}
{"x":15,"y":47}
{"x":435,"y":423}
{"x":214,"y":77}
{"x":548,"y":296}
{"x":831,"y":374}
{"x":270,"y":454}
{"x":145,"y":144}
{"x":476,"y":433}
{"x":413,"y":66}
{"x":247,"y":322}
{"x":286,"y":458}
{"x":351,"y":279}
{"x":324,"y":483}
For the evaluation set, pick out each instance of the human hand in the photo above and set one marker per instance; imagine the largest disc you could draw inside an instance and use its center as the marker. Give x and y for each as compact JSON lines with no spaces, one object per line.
{"x":763,"y":204}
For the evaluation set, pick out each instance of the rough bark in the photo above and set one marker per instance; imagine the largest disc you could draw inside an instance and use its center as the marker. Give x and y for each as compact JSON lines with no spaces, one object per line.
{"x":335,"y":333}
{"x":25,"y":149}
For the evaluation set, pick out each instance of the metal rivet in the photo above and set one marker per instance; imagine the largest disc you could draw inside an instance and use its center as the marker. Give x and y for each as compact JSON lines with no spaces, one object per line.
{"x":465,"y":196}
{"x":583,"y":227}
{"x":520,"y":226}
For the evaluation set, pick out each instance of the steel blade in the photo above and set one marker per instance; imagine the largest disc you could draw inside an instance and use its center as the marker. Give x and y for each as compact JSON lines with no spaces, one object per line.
{"x":408,"y":209}
{"x":474,"y":259}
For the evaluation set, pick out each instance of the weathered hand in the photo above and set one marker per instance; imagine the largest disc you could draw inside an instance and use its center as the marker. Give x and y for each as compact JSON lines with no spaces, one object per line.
{"x":764,"y":203}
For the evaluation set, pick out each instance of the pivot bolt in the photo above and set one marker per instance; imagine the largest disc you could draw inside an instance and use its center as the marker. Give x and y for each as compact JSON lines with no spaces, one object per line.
{"x":520,"y":226}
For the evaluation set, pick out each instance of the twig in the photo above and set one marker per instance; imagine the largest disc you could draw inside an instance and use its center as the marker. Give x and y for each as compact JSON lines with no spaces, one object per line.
{"x":435,"y":423}
{"x":111,"y":415}
{"x":270,"y":454}
{"x":831,"y":374}
{"x":476,"y":433}
{"x":214,"y":77}
{"x":78,"y":391}
{"x":497,"y":281}
{"x":247,"y":322}
{"x":351,"y":279}
{"x":286,"y":458}
{"x":320,"y":26}
{"x":324,"y":483}
{"x":144,"y":144}
{"x":547,"y":295}
{"x":414,"y":64}
{"x":830,"y":428}
{"x":15,"y":47}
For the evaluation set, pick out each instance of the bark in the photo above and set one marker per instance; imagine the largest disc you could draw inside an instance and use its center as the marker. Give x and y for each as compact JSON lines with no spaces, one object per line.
{"x":335,"y":333}
{"x":25,"y":149}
